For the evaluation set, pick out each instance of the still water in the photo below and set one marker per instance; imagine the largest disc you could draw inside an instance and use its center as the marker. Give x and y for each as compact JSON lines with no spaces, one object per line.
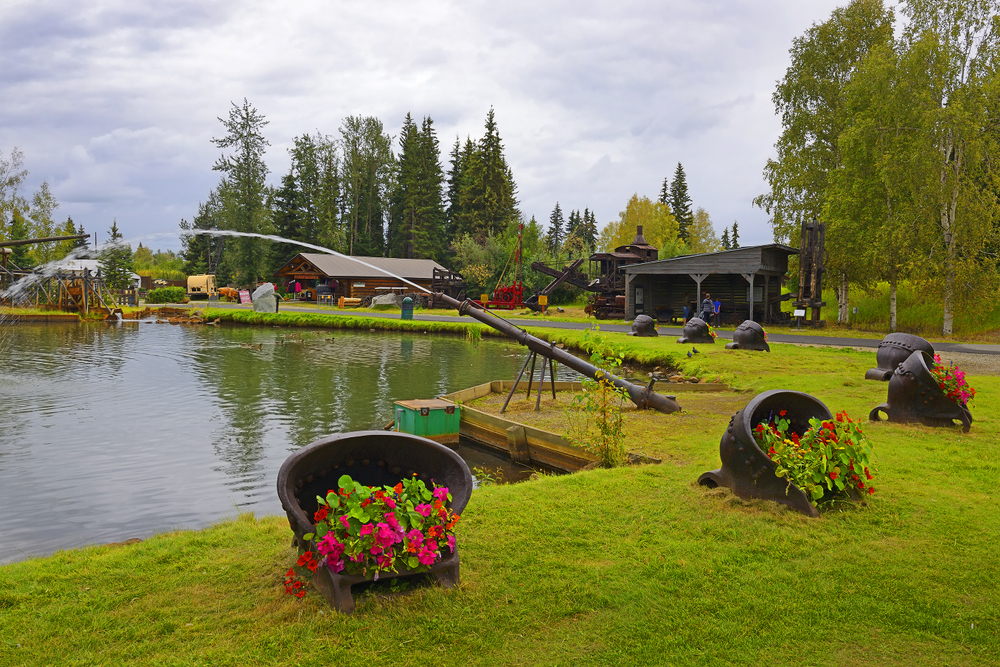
{"x":110,"y":432}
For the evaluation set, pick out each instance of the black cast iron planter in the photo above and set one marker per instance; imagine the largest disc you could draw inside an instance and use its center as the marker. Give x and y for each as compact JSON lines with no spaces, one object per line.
{"x":746,"y":469}
{"x":749,"y":336}
{"x":914,"y":396}
{"x":372,"y":458}
{"x":894,"y":350}
{"x":644,"y":326}
{"x":696,"y":331}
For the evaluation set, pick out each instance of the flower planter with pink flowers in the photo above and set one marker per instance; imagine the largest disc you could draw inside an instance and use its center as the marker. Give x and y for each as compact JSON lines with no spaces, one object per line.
{"x":372,"y":505}
{"x":924,"y":390}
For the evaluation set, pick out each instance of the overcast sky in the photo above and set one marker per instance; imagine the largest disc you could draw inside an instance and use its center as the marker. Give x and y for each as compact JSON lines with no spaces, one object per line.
{"x":114,"y":103}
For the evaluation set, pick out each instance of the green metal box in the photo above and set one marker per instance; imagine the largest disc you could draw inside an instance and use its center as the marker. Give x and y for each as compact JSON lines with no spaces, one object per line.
{"x":434,"y":418}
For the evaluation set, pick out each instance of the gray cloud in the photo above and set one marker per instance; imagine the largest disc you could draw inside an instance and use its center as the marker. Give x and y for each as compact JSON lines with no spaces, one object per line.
{"x":115,"y":103}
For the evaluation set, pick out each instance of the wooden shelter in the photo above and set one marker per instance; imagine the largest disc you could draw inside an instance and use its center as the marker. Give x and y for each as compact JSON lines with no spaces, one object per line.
{"x":662,"y":288}
{"x":354,"y":277}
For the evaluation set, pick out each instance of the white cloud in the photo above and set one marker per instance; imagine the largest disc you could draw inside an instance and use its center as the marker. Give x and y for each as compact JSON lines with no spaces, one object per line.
{"x":115,"y":103}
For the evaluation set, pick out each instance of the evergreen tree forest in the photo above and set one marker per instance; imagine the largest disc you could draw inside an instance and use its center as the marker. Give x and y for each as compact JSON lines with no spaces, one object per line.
{"x":363,"y":192}
{"x":891,"y":137}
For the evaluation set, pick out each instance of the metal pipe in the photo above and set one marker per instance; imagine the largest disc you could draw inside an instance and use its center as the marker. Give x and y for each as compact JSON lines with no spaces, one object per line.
{"x":643,"y":397}
{"x":47,"y":239}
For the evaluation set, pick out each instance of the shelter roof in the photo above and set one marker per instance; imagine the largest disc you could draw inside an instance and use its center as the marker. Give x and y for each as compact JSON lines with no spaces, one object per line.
{"x":771,"y":259}
{"x":614,"y":255}
{"x":78,"y":266}
{"x":337,"y":266}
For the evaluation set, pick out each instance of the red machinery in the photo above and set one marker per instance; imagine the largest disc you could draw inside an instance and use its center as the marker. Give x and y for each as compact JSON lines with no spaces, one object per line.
{"x":508,"y":296}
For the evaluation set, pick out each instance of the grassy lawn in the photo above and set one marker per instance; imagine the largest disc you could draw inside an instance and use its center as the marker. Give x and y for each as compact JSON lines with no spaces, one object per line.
{"x":628,"y":566}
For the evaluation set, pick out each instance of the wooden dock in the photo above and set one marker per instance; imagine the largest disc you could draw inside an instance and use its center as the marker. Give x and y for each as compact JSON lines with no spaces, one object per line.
{"x":523,"y":443}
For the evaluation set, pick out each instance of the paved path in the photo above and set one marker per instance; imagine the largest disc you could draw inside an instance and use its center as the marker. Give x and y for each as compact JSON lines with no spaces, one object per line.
{"x":837,"y":341}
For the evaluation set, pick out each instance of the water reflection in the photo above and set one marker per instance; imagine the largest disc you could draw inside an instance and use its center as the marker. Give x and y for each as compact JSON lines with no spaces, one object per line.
{"x":112,"y":432}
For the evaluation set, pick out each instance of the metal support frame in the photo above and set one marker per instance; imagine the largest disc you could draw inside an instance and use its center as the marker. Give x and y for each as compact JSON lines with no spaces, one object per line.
{"x":532,"y":357}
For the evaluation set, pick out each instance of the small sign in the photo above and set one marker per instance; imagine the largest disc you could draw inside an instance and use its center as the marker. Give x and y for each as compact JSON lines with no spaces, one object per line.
{"x":799,"y":313}
{"x":543,"y":300}
{"x":244,"y":296}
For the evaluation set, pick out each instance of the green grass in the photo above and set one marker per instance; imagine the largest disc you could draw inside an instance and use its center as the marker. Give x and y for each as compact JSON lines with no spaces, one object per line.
{"x":917,"y":312}
{"x":629,"y":566}
{"x":340,"y":321}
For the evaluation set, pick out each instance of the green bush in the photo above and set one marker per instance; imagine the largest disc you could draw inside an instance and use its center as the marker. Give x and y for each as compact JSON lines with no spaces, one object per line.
{"x":166,"y":295}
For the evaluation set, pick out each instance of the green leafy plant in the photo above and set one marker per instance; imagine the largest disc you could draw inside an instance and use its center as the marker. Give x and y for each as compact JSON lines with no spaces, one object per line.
{"x":831,"y":461}
{"x":488,"y":476}
{"x":364,"y":529}
{"x":166,"y":295}
{"x":602,"y":404}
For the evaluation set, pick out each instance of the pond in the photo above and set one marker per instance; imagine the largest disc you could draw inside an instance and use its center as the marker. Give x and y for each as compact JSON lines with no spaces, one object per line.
{"x":112,"y":432}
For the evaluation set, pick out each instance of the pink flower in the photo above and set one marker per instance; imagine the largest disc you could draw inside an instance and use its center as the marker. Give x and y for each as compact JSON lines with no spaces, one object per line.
{"x":432,"y":545}
{"x":344,"y":522}
{"x":330,"y":546}
{"x":451,"y":543}
{"x":426,"y":557}
{"x":366,"y":529}
{"x":423,"y":509}
{"x":441,"y":493}
{"x":390,"y":502}
{"x":415,"y":536}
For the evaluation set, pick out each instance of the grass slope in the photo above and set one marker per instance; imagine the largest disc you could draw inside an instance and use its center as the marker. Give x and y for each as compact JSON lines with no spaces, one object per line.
{"x":607,"y":567}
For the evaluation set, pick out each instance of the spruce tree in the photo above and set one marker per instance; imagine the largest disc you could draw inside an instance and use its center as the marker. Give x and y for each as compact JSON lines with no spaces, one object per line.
{"x":245,"y":174}
{"x":573,"y":223}
{"x":555,"y":235}
{"x":20,"y":254}
{"x":417,"y":215}
{"x":79,"y":243}
{"x":589,"y":228}
{"x":735,"y":237}
{"x":680,"y":202}
{"x":285,"y":207}
{"x":725,"y":239}
{"x":116,"y":260}
{"x":665,"y":192}
{"x":488,"y":199}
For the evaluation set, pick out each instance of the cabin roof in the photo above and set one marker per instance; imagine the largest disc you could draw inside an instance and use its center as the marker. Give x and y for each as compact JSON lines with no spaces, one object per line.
{"x":771,"y":259}
{"x":336,"y":266}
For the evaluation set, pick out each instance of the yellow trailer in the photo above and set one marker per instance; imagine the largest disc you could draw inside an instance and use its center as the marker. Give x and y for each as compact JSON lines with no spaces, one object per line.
{"x":201,"y":287}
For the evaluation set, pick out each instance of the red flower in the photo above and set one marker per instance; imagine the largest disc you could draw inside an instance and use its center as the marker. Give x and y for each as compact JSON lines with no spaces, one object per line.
{"x":833,"y":474}
{"x":868,"y":474}
{"x":783,"y":413}
{"x":871,"y":490}
{"x":398,"y":488}
{"x":366,"y":502}
{"x":320,"y":514}
{"x":305,"y":558}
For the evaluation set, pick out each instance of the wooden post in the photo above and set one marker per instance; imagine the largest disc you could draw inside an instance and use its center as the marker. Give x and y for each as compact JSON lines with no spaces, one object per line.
{"x":517,"y":443}
{"x":749,"y":278}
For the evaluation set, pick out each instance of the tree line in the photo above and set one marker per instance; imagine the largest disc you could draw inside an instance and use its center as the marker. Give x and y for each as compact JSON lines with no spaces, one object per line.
{"x":894,"y":143}
{"x":31,"y":217}
{"x":363,"y":192}
{"x":351,"y":193}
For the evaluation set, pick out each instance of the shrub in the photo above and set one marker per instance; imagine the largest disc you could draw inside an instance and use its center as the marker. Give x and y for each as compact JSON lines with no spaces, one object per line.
{"x":166,"y":295}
